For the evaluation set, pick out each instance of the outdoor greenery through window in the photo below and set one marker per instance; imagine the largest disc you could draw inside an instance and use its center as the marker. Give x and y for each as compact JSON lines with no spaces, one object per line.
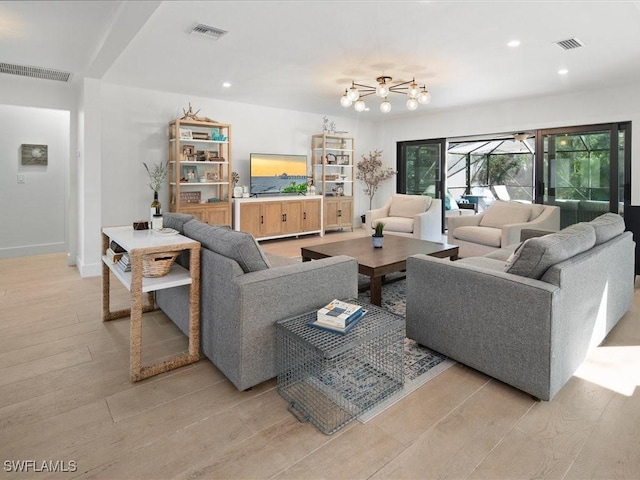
{"x":479,"y":166}
{"x":582,"y":166}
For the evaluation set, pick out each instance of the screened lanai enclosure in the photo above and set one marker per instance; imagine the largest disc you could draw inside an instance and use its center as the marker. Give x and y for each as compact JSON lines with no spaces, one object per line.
{"x":584,"y":170}
{"x":483,"y":170}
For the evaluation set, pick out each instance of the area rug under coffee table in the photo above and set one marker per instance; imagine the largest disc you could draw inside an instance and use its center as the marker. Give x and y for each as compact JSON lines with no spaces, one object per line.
{"x":420,"y":363}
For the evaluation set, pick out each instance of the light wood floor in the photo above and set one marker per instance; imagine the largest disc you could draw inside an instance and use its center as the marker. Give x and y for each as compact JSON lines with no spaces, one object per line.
{"x":65,"y":395}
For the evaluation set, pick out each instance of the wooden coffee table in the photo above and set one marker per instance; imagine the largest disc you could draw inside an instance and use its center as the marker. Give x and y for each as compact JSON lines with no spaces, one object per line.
{"x":378,"y":262}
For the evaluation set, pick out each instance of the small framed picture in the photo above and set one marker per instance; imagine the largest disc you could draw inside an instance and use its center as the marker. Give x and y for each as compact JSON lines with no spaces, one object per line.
{"x":186,"y":134}
{"x":212,"y":176}
{"x":189,"y":173}
{"x":34,"y":154}
{"x":188,"y":150}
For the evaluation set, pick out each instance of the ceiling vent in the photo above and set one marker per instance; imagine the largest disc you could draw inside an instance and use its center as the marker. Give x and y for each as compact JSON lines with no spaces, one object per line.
{"x":570,"y":43}
{"x":35,"y":72}
{"x":207,"y":31}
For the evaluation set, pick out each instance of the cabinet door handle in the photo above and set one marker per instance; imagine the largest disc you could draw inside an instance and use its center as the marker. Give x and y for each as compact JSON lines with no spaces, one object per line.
{"x":261,"y":219}
{"x":304,"y":216}
{"x":339,"y":213}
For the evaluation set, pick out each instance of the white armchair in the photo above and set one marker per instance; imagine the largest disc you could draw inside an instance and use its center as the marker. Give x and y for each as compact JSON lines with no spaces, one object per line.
{"x":418,"y":216}
{"x":499,"y":226}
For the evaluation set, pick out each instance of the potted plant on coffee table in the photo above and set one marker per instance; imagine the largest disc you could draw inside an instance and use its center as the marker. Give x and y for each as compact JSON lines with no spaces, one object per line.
{"x":377,"y":236}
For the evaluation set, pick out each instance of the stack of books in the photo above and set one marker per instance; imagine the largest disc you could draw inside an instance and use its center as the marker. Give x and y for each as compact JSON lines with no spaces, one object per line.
{"x":124,"y":263}
{"x":114,"y":252}
{"x":338,"y":316}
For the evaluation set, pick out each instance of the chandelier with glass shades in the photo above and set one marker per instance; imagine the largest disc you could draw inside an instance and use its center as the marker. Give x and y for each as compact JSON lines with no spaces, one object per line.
{"x":415,"y":95}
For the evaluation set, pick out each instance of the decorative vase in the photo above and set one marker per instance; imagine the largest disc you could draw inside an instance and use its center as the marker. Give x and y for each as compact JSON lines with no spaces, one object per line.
{"x":155,"y":207}
{"x":377,"y":241}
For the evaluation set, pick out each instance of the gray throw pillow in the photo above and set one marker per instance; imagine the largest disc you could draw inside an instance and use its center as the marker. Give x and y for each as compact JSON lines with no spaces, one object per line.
{"x":238,"y":246}
{"x":534,"y":257}
{"x":607,"y":226}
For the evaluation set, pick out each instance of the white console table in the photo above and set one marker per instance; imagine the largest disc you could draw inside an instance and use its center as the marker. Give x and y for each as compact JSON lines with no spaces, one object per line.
{"x":139,"y":243}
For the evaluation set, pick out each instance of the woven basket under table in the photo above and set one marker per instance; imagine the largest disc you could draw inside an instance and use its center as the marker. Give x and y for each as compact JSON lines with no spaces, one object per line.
{"x":158,"y":264}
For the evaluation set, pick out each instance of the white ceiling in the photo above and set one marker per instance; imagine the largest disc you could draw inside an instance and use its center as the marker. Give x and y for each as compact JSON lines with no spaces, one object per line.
{"x":302,"y":55}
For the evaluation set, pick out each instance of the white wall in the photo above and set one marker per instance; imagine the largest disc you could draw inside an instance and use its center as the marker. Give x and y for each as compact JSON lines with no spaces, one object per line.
{"x":33,"y":214}
{"x":134,"y":130}
{"x":615,"y":104}
{"x":29,"y":92}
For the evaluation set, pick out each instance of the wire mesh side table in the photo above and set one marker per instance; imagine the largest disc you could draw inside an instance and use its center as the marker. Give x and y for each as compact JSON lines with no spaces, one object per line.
{"x":328,"y":378}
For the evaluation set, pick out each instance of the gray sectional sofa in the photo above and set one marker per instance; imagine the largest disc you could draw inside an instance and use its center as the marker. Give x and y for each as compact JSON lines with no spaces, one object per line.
{"x":242,"y":297}
{"x":527,"y":316}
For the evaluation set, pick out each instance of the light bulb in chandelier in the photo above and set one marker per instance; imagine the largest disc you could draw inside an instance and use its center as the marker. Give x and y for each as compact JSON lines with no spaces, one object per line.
{"x":353,"y":94}
{"x":385,"y":107}
{"x":412,"y":104}
{"x":413,"y":91}
{"x":425,"y":96}
{"x":382,"y":90}
{"x":359,"y":106}
{"x":345,"y":101}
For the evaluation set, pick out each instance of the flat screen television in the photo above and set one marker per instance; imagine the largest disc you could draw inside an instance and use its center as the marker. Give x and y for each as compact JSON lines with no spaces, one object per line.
{"x":278,"y":174}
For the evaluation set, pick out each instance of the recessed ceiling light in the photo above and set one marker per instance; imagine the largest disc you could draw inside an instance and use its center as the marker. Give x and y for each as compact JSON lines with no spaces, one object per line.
{"x":513,"y":43}
{"x":226,"y":84}
{"x":563,"y":71}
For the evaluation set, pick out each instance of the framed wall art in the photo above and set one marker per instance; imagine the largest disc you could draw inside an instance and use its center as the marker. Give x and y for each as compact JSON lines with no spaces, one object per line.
{"x":34,"y":154}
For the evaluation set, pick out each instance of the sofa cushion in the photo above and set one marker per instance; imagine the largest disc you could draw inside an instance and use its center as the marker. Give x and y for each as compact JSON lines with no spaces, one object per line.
{"x":175,"y":220}
{"x":536,"y":255}
{"x":607,"y":226}
{"x":491,"y":237}
{"x":503,"y":254}
{"x":238,"y":246}
{"x":505,"y":213}
{"x":408,"y":206}
{"x":396,"y":224}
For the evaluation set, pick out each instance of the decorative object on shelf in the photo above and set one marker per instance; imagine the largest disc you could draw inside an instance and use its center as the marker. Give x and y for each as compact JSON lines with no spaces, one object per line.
{"x":212,"y":176}
{"x":158,"y":264}
{"x":186,"y":134}
{"x":370,"y":171}
{"x":235,"y":178}
{"x":190,"y":197}
{"x":328,"y":126}
{"x":190,"y":115}
{"x":331,"y":159}
{"x":189,"y":173}
{"x":378,"y":238}
{"x":415,"y":95}
{"x":34,"y":154}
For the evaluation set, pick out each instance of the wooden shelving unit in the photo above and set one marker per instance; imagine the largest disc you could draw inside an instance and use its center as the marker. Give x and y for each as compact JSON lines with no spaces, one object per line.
{"x":200,"y":180}
{"x":332,"y":163}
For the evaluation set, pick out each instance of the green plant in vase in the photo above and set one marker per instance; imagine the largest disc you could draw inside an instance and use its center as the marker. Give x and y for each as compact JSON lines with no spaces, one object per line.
{"x":378,"y":236}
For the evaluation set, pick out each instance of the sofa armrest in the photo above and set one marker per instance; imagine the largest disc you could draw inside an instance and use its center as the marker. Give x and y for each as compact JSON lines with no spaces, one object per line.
{"x":490,"y":320}
{"x":428,"y":225}
{"x":242,"y":334}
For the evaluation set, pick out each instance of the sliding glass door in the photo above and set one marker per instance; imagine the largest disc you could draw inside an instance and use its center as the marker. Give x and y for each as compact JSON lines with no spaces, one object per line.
{"x":420,"y":165}
{"x":583,"y":170}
